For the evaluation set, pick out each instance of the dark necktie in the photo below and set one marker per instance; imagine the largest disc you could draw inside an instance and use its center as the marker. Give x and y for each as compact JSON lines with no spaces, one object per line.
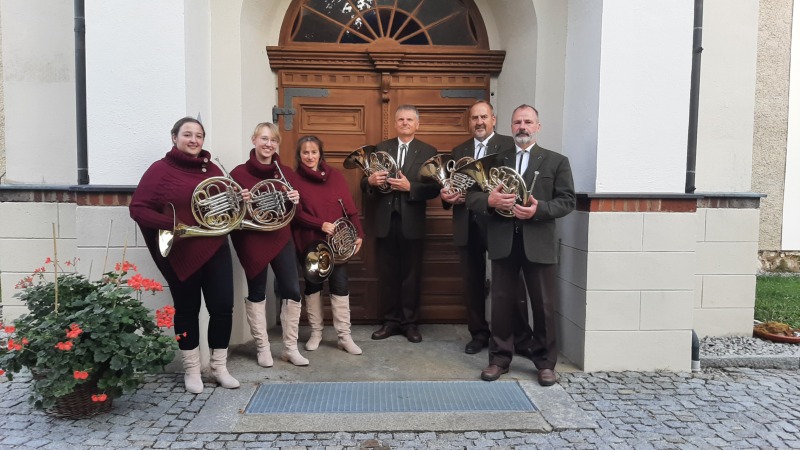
{"x":401,"y":156}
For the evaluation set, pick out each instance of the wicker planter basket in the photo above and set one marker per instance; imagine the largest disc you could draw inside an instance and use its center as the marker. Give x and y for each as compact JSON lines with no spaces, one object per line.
{"x":78,"y":404}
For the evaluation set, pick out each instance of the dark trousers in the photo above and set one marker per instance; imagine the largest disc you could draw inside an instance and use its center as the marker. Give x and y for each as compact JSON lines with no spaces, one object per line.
{"x":337,"y":282}
{"x":287,"y":283}
{"x":399,"y":272}
{"x":540,"y":280}
{"x":473,"y":272}
{"x":215,"y":281}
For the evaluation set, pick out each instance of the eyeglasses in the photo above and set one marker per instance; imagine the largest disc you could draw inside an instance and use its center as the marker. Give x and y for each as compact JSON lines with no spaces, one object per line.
{"x":270,"y":140}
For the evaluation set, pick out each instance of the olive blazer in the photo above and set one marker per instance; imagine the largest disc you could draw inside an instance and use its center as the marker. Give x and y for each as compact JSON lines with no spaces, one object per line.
{"x":556,"y":195}
{"x":411,"y":204}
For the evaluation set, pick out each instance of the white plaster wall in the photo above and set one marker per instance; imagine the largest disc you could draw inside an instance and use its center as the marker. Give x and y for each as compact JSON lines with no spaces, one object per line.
{"x":727,"y":96}
{"x":39,"y":91}
{"x":550,"y":69}
{"x":791,"y":199}
{"x":136,"y":86}
{"x":581,"y":90}
{"x":519,"y":37}
{"x":644,"y":95}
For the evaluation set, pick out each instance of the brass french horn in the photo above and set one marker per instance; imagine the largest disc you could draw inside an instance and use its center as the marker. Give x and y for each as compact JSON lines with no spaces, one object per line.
{"x":320,"y":257}
{"x":489,"y":174}
{"x":267,"y":210}
{"x":370,"y":161}
{"x":443,"y":170}
{"x":217,"y":206}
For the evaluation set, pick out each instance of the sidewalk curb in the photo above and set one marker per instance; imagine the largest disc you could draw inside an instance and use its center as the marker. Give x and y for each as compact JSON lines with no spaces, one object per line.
{"x":753,"y":362}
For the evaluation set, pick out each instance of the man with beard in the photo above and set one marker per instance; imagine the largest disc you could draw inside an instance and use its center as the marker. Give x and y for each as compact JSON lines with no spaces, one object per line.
{"x":469,"y":235}
{"x":526,"y":243}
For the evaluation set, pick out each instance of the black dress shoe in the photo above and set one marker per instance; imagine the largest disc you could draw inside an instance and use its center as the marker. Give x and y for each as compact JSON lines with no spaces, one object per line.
{"x":493,"y":372}
{"x":547,"y":377}
{"x":412,"y":334}
{"x":475,"y":346}
{"x":385,"y":331}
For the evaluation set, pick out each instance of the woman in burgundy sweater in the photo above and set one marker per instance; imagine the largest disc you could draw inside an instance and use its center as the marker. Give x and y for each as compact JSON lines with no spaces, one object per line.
{"x":326,"y":198}
{"x":257,"y":250}
{"x":194,"y":264}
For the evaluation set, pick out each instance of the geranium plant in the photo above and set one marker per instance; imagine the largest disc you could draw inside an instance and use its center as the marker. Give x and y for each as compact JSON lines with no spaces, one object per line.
{"x":79,"y":331}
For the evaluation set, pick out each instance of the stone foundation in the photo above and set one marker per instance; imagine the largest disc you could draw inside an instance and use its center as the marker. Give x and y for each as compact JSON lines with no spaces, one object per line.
{"x":779,"y":261}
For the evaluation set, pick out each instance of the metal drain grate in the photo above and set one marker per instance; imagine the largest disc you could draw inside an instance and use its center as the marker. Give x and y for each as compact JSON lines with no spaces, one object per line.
{"x":389,"y":396}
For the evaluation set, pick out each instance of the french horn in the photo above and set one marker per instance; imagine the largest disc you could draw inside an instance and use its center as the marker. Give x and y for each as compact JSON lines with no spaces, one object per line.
{"x":443,"y":170}
{"x":489,"y":174}
{"x":268,"y":210}
{"x":320,"y":257}
{"x":370,"y":161}
{"x":217,"y":206}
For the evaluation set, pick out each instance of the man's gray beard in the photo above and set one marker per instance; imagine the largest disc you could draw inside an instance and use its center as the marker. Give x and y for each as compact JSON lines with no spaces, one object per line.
{"x":524,"y":141}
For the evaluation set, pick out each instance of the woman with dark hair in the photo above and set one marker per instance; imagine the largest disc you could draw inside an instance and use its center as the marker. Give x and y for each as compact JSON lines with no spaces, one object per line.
{"x":326,"y":198}
{"x":257,"y":250}
{"x":200,"y":264}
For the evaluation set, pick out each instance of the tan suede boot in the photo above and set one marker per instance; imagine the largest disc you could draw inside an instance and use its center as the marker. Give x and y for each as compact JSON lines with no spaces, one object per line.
{"x":290,"y":323}
{"x":314,"y":310}
{"x":219,"y":369}
{"x":257,"y":319}
{"x":191,"y":370}
{"x":340,"y":306}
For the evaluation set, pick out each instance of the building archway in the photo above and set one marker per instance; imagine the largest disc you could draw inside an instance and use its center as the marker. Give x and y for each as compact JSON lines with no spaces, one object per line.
{"x":344,"y":66}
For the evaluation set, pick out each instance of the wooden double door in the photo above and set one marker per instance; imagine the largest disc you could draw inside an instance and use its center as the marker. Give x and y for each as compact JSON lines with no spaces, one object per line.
{"x":349,"y":109}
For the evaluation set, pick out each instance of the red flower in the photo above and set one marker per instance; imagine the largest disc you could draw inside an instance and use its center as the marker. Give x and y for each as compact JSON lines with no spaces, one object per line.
{"x":2,"y":372}
{"x":74,"y":331}
{"x":66,"y":346}
{"x":9,"y":329}
{"x":13,"y":345}
{"x":48,"y":260}
{"x":164,"y":317}
{"x":25,"y":341}
{"x":80,"y":375}
{"x":126,"y":266}
{"x":99,"y":397}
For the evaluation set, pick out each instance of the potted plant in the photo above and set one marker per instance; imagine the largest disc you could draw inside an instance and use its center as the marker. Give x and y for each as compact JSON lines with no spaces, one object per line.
{"x":86,"y":342}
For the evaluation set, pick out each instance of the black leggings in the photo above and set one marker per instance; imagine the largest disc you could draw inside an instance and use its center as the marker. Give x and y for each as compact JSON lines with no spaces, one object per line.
{"x":215,"y":281}
{"x":286,"y":281}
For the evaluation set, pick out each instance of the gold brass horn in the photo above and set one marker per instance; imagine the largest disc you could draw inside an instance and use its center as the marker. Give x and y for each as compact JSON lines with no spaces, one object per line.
{"x":370,"y":161}
{"x":217,"y":206}
{"x":459,"y":182}
{"x":435,"y":169}
{"x":489,"y":175}
{"x":268,"y":209}
{"x":343,"y":239}
{"x":317,"y":262}
{"x":320,"y":257}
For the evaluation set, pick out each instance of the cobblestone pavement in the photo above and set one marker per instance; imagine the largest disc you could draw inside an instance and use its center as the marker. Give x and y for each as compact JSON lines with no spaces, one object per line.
{"x":737,"y":408}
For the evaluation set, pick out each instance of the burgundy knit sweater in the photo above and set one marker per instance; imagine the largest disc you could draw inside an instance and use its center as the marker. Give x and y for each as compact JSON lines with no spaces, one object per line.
{"x":320,"y":192}
{"x":173,"y":180}
{"x":256,"y":249}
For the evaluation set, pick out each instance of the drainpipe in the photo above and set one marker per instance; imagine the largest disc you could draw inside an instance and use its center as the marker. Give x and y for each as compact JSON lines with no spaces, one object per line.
{"x":80,"y":92}
{"x":694,"y":97}
{"x":691,"y":150}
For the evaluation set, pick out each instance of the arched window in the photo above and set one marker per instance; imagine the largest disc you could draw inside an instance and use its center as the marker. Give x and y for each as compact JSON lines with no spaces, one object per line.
{"x":406,"y":22}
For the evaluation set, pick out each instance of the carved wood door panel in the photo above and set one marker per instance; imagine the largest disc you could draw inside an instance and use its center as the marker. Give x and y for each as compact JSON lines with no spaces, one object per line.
{"x":348,"y":110}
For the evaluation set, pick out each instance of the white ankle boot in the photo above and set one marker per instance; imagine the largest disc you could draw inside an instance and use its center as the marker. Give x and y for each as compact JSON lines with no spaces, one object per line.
{"x":340,"y":306}
{"x":314,"y":310}
{"x":191,"y":370}
{"x":219,"y":369}
{"x":257,"y":319}
{"x":290,"y":322}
